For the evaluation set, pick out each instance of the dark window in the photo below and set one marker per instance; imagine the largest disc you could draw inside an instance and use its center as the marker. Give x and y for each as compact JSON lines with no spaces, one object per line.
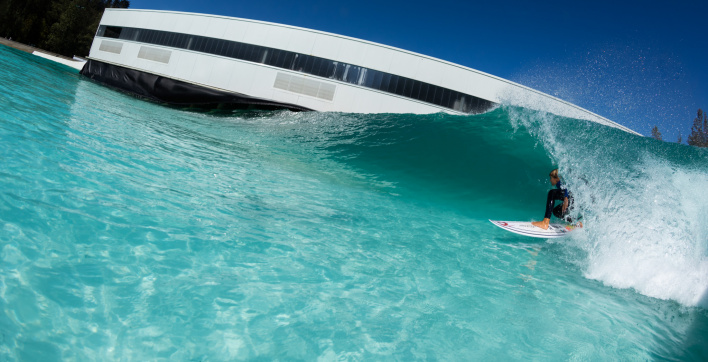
{"x":400,"y":87}
{"x":430,"y":96}
{"x":112,"y":32}
{"x":210,"y":45}
{"x":329,"y":72}
{"x":377,"y":79}
{"x":257,"y":54}
{"x":236,"y":48}
{"x":415,"y":91}
{"x":369,"y":78}
{"x":289,"y":60}
{"x":438,"y":95}
{"x":352,"y":74}
{"x":278,"y":58}
{"x":408,"y":88}
{"x":298,"y":62}
{"x":392,"y":85}
{"x":339,"y":71}
{"x":385,"y":80}
{"x":445,"y":97}
{"x":309,"y":64}
{"x":160,"y":38}
{"x":270,"y":56}
{"x":223,"y":47}
{"x":247,"y":50}
{"x":218,"y":43}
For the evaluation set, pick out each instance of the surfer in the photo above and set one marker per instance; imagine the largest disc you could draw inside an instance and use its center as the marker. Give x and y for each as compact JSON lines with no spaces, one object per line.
{"x":560,"y":211}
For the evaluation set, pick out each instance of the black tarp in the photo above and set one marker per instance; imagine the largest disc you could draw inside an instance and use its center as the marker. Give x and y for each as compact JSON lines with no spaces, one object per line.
{"x":171,"y":91}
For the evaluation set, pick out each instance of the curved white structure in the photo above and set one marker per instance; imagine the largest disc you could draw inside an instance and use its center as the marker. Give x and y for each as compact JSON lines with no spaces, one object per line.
{"x":186,"y":58}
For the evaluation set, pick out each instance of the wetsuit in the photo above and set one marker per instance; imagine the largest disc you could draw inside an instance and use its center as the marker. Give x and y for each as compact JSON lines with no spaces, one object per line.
{"x":559,"y":193}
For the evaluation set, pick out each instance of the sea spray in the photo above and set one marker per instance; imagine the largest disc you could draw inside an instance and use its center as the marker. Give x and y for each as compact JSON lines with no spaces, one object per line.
{"x":643,"y":203}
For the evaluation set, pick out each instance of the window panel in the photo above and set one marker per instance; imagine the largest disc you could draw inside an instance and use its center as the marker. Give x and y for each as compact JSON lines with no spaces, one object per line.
{"x":430,"y":96}
{"x":378,"y":76}
{"x":438,"y":95}
{"x":385,"y":81}
{"x":258,"y":53}
{"x":160,"y":38}
{"x":329,"y":73}
{"x":325,"y":65}
{"x":112,"y":32}
{"x":351,"y":73}
{"x":445,"y":100}
{"x":408,"y":88}
{"x":369,"y":78}
{"x":392,"y":84}
{"x":272,"y":56}
{"x":279,"y":58}
{"x":309,"y":64}
{"x":339,"y":71}
{"x":400,"y":86}
{"x":250,"y":49}
{"x":415,"y":91}
{"x":298,"y":63}
{"x":289,"y":60}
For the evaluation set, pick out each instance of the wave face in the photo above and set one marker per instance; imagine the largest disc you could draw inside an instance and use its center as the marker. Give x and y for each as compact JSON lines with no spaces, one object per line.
{"x":134,"y":231}
{"x":643,"y":201}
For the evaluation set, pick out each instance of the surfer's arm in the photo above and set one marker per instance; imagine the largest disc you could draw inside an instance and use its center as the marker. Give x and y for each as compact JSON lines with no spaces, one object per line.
{"x":565,"y":203}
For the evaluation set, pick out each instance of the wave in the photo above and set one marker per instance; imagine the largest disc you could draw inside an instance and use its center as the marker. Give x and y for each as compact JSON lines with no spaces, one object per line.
{"x":642,"y":200}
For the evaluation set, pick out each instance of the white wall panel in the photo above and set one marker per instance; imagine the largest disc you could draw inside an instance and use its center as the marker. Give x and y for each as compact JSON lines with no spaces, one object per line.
{"x":278,"y":37}
{"x":378,"y":58}
{"x":202,"y":70}
{"x":221,"y":70}
{"x":256,"y":34}
{"x":242,"y":78}
{"x":236,"y":30}
{"x":199,"y":26}
{"x":184,"y":65}
{"x":405,"y":65}
{"x":216,"y":28}
{"x":430,"y":71}
{"x":301,"y":42}
{"x":178,"y":23}
{"x":326,"y":47}
{"x":353,"y":52}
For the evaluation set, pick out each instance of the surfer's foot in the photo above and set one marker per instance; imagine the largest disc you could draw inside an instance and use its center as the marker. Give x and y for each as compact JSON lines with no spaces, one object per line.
{"x":542,"y":224}
{"x":579,"y":224}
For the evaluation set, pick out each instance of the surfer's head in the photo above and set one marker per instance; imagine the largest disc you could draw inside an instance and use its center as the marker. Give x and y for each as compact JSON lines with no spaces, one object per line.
{"x":554,"y":177}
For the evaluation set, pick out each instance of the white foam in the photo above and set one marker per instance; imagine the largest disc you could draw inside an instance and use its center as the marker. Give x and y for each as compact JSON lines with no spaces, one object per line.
{"x":646,"y":217}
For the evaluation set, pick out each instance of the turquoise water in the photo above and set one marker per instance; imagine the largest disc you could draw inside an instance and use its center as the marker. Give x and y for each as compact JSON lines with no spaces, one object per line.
{"x":134,"y":231}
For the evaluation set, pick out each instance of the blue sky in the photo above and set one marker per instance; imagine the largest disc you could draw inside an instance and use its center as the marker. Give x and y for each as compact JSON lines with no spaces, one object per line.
{"x":638,"y":63}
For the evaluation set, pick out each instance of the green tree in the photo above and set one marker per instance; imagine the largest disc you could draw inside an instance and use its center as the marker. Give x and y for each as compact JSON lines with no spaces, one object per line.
{"x":655,"y":133}
{"x":66,"y":27}
{"x":699,"y":131}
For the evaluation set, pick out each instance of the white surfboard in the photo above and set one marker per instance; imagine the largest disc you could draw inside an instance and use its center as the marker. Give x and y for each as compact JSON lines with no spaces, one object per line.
{"x":527,"y":229}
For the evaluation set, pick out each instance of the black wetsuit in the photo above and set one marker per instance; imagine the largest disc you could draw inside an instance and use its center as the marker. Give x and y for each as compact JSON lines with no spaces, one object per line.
{"x":559,"y":193}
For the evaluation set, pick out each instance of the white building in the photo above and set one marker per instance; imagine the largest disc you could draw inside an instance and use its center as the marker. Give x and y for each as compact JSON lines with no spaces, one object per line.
{"x":184,"y":58}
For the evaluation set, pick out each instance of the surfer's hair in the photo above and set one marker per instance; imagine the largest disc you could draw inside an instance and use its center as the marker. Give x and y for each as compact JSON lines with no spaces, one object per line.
{"x":554,"y":174}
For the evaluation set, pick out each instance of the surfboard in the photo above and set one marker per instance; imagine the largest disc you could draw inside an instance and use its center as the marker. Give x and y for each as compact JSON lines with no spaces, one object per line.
{"x":525,"y":228}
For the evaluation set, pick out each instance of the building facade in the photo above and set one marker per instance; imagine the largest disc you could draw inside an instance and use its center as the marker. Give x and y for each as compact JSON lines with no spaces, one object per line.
{"x":193,"y":59}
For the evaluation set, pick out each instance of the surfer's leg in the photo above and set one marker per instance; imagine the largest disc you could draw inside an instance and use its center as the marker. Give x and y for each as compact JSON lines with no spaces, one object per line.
{"x":550,"y":202}
{"x":553,"y":195}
